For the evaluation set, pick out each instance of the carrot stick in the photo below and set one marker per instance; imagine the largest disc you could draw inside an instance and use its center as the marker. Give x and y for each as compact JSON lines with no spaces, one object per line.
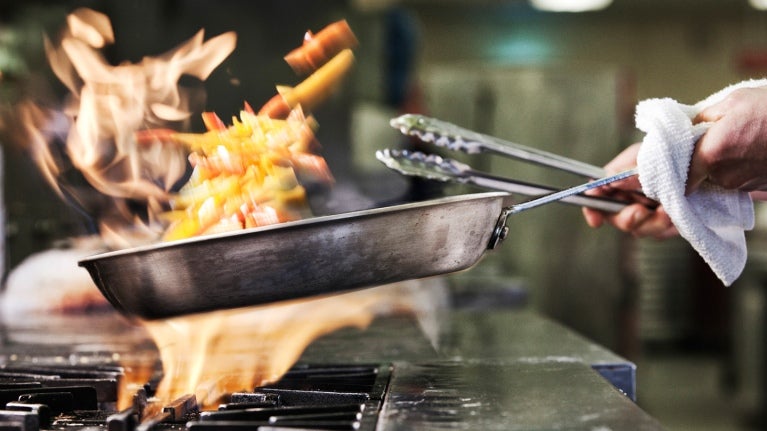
{"x":313,"y":90}
{"x":321,"y":47}
{"x":212,"y":121}
{"x":149,"y":136}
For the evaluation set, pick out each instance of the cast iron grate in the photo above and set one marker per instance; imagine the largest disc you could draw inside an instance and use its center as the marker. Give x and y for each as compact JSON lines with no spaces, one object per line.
{"x":309,"y":397}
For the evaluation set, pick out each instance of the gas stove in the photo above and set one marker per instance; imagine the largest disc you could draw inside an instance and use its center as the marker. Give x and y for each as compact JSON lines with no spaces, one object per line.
{"x":492,"y":368}
{"x":334,"y":397}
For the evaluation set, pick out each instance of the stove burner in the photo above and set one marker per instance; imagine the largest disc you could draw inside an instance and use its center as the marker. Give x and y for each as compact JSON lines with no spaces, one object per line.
{"x":327,"y":397}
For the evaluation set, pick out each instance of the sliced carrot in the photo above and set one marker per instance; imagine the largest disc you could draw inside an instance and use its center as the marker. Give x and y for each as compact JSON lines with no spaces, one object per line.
{"x":321,"y":47}
{"x":212,"y":121}
{"x":148,"y":136}
{"x":313,"y":90}
{"x":312,"y":166}
{"x":319,"y":85}
{"x":276,"y":107}
{"x":249,"y":109}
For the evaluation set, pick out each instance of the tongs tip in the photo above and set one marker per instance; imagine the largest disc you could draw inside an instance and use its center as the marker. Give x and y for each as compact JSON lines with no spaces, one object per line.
{"x":406,"y":122}
{"x":416,"y":163}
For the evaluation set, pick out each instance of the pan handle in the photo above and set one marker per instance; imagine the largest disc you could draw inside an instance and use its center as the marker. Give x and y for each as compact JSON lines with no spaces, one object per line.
{"x":501,"y":230}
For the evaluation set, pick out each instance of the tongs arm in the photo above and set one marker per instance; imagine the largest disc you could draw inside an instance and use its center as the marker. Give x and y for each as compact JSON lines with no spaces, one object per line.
{"x":453,"y":137}
{"x":434,"y":167}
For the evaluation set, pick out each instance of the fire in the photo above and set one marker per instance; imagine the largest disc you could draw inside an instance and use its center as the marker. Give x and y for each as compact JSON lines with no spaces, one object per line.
{"x":120,"y":130}
{"x":214,"y":354}
{"x":107,"y":105}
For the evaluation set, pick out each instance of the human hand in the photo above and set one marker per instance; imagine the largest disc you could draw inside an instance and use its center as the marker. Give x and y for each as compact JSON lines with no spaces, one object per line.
{"x":637,"y":218}
{"x":733,"y":152}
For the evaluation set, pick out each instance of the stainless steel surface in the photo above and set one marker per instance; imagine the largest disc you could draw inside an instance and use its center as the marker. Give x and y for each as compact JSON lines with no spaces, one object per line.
{"x":548,"y":395}
{"x":435,"y":167}
{"x":451,"y":136}
{"x":493,"y":369}
{"x":494,"y":334}
{"x":311,"y":257}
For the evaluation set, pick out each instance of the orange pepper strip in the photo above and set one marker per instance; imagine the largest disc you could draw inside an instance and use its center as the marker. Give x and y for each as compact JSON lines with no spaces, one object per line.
{"x":249,"y":109}
{"x":313,"y":90}
{"x":149,"y":136}
{"x":212,"y":122}
{"x":276,"y":107}
{"x":319,"y":48}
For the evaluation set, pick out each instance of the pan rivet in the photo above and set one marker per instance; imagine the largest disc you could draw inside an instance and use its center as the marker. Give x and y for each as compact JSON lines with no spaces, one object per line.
{"x":504,"y":233}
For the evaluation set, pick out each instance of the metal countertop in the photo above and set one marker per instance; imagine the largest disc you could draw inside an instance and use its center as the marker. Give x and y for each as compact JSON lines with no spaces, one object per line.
{"x":502,"y":369}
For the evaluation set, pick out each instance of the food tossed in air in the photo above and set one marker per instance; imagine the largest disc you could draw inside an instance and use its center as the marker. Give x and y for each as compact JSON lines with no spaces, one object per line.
{"x":318,"y":48}
{"x":245,"y":175}
{"x":248,"y":174}
{"x":328,"y":56}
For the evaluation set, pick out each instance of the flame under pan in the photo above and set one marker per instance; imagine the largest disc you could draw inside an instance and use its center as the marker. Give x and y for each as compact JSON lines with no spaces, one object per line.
{"x":321,"y":255}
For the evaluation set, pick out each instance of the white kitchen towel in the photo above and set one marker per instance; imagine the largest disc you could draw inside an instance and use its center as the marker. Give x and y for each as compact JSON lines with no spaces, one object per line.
{"x":713,"y":220}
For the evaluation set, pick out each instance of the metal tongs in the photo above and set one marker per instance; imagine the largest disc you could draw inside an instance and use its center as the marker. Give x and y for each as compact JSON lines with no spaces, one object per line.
{"x":453,"y":137}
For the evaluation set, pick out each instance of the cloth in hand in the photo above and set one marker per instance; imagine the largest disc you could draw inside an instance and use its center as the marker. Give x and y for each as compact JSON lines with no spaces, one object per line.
{"x":713,"y":220}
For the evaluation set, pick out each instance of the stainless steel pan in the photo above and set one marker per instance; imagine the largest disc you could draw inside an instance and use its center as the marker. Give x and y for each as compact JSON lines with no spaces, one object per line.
{"x":316,"y":256}
{"x":310,"y":257}
{"x":298,"y":259}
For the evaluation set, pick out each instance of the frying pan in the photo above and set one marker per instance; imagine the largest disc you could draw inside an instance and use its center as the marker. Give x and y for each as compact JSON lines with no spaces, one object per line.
{"x":304,"y":258}
{"x":321,"y":255}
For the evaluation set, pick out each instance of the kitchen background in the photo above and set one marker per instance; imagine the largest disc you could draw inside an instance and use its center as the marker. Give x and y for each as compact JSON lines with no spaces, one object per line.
{"x":564,"y":82}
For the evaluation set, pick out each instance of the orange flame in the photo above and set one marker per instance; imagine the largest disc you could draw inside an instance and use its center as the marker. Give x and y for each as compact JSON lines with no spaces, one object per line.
{"x":212,"y":354}
{"x":107,"y":105}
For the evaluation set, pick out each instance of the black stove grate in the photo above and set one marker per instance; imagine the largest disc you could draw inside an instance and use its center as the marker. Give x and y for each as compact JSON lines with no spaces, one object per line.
{"x":310,"y":397}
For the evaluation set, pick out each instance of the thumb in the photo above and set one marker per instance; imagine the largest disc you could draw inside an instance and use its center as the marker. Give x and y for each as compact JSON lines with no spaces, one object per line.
{"x":709,"y":115}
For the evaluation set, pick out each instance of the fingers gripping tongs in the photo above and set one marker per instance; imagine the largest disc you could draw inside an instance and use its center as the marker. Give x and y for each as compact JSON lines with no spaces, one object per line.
{"x":452,"y":137}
